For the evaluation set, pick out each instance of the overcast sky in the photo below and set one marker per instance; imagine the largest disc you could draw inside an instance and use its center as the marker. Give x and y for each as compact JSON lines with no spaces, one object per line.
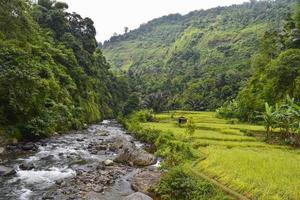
{"x":113,"y":15}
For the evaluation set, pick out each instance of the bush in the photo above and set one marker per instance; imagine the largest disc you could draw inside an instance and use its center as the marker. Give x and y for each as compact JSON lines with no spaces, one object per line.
{"x":132,"y":124}
{"x":147,"y":135}
{"x":143,"y":116}
{"x":174,"y":152}
{"x":179,"y":185}
{"x":228,"y":110}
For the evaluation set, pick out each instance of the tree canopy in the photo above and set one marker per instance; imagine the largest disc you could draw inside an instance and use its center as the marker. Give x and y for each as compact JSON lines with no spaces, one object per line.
{"x":52,"y":76}
{"x":200,"y":60}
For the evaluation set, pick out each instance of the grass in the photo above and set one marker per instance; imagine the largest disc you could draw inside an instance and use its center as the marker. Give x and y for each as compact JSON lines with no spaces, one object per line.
{"x":243,"y":163}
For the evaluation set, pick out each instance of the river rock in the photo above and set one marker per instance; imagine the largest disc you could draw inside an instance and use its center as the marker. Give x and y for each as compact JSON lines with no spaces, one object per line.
{"x":11,"y":147}
{"x":119,"y":143}
{"x":27,"y":166}
{"x":103,"y":133}
{"x":108,"y":162}
{"x":29,"y":147}
{"x":98,"y":189}
{"x":101,"y":147}
{"x":2,"y":150}
{"x":14,"y":141}
{"x":138,"y":196}
{"x":145,"y":181}
{"x":6,"y":171}
{"x":48,"y":158}
{"x":132,"y":155}
{"x":60,"y":182}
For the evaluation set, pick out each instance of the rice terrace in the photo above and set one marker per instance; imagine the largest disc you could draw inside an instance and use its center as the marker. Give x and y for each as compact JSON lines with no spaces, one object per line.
{"x":235,"y":155}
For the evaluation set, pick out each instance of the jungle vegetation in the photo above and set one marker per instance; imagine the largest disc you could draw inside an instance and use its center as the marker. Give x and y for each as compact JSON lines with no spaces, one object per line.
{"x":52,"y":75}
{"x":206,"y":58}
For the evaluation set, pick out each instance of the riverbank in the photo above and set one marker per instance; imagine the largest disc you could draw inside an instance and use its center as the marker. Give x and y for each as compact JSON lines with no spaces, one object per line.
{"x":230,"y":153}
{"x":179,"y":182}
{"x":100,"y":162}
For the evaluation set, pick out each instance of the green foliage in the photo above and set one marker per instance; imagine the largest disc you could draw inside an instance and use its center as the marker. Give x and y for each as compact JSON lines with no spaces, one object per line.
{"x":276,"y":72}
{"x":133,"y":122}
{"x":285,"y":117}
{"x":228,"y":110}
{"x":177,"y":184}
{"x":197,"y":61}
{"x":296,"y":16}
{"x":190,"y":127}
{"x":269,"y":117}
{"x":52,"y":77}
{"x":142,"y":116}
{"x":174,"y":152}
{"x":132,"y":104}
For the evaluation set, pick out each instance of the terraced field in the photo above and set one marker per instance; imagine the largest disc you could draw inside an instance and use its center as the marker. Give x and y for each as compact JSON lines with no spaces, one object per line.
{"x":236,"y":156}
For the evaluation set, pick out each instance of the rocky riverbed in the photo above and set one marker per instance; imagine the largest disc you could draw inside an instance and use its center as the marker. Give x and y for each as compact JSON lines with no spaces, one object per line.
{"x":100,"y":162}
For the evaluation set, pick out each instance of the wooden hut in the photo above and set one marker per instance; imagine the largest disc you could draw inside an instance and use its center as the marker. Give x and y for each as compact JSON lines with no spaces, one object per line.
{"x":182,"y":120}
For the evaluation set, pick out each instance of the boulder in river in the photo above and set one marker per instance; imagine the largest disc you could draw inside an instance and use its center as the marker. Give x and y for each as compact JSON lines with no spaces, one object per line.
{"x":27,"y":166}
{"x":80,"y":139}
{"x":145,"y":181}
{"x":2,"y":150}
{"x":119,"y":143}
{"x":11,"y":148}
{"x":132,"y":155}
{"x":101,"y":147}
{"x":60,"y":182}
{"x":138,"y":196}
{"x":29,"y":147}
{"x":108,"y":162}
{"x":48,"y":158}
{"x":98,"y":189}
{"x":6,"y":171}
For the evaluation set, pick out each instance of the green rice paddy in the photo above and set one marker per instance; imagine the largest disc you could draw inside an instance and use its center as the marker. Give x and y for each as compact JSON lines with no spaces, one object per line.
{"x":236,"y":155}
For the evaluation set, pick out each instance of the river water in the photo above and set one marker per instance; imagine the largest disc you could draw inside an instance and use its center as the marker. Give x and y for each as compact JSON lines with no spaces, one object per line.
{"x":59,"y":159}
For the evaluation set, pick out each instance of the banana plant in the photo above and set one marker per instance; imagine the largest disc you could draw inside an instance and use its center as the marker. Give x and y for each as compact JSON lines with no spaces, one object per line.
{"x":269,"y":117}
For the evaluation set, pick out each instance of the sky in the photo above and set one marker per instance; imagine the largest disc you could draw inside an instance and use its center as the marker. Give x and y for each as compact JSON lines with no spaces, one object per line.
{"x":111,"y":16}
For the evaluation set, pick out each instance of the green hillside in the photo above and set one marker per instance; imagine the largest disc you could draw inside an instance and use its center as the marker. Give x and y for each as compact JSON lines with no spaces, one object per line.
{"x":52,"y":76}
{"x":197,"y":61}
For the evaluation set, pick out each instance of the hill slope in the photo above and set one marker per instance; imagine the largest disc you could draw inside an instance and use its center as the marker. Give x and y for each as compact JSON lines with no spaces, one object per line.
{"x":52,"y":76}
{"x":196,"y":61}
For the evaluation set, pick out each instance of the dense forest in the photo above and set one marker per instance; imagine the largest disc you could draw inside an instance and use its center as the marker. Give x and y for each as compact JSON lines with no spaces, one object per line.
{"x":52,"y":75}
{"x":201,"y":60}
{"x":275,"y":71}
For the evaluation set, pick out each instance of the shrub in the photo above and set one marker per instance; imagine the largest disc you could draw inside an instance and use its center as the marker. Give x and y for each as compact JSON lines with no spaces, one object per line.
{"x":141,"y":116}
{"x":174,"y":152}
{"x":190,"y":127}
{"x":179,"y":185}
{"x":228,"y":110}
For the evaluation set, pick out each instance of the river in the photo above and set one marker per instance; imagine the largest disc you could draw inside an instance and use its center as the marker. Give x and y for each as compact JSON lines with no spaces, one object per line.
{"x":71,"y":166}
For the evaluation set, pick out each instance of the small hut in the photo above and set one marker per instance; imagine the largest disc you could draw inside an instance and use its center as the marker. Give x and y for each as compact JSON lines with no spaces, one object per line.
{"x":182,"y":120}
